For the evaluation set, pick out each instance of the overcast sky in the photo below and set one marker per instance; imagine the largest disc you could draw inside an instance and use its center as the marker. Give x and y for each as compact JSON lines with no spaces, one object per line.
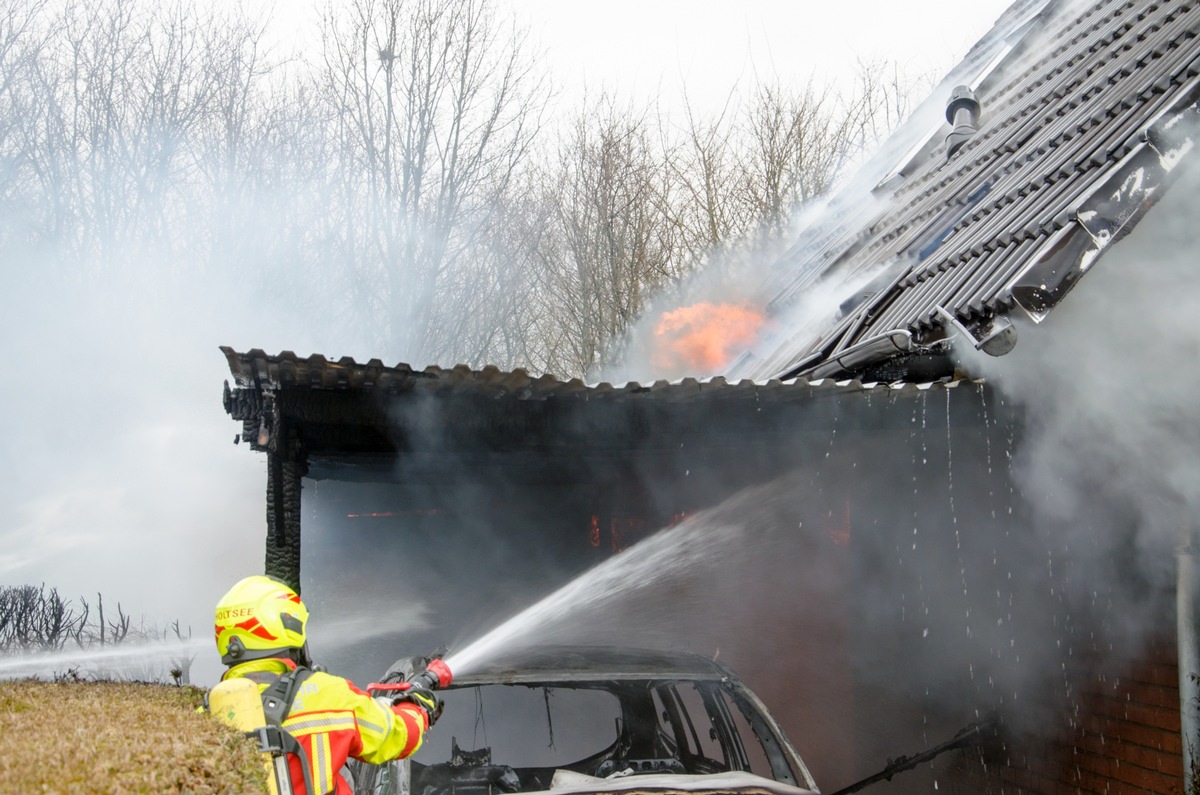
{"x":125,"y":481}
{"x":656,"y":48}
{"x":646,"y":47}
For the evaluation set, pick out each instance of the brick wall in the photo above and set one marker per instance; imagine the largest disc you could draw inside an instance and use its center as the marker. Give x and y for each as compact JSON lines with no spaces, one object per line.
{"x":1114,"y":729}
{"x":1127,"y":736}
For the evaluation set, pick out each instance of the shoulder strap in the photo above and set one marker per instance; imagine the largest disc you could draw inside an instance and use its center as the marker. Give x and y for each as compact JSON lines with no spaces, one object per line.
{"x":278,"y":697}
{"x":280,"y":744}
{"x":273,"y":739}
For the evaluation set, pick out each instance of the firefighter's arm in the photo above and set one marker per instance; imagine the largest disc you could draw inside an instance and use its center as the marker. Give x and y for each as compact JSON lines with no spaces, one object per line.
{"x":388,"y":731}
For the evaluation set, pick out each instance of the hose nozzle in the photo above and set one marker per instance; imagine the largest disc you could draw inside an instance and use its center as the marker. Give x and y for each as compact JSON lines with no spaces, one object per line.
{"x":437,"y":675}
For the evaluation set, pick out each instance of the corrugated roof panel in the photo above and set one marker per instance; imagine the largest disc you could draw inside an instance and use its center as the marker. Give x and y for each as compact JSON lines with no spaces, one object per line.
{"x":994,"y":293}
{"x":996,"y":268}
{"x":258,"y":371}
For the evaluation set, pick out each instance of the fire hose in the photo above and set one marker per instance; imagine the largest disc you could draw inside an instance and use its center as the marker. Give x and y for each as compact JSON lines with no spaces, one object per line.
{"x":399,"y":679}
{"x":967,"y":736}
{"x":436,"y":676}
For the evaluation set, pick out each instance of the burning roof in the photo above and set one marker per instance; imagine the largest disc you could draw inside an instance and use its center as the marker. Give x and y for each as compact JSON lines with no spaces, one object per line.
{"x":1069,"y":121}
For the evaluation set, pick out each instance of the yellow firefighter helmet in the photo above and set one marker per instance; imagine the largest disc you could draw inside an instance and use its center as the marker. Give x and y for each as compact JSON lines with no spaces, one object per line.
{"x":261,"y":617}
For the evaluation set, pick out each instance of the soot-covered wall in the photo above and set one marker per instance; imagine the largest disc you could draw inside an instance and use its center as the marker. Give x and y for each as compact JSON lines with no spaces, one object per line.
{"x":881,"y":584}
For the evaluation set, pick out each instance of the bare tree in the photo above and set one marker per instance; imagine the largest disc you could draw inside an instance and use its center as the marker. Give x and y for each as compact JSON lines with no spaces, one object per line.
{"x":400,"y":189}
{"x":21,"y":37}
{"x":260,"y":155}
{"x":104,"y":113}
{"x":34,"y":619}
{"x":884,"y":94}
{"x":612,"y":246}
{"x":708,"y":207}
{"x":435,"y":110}
{"x":797,"y":141}
{"x":38,"y":184}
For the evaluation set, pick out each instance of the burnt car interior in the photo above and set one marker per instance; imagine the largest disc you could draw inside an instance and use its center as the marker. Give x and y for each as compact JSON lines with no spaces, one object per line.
{"x":515,"y":738}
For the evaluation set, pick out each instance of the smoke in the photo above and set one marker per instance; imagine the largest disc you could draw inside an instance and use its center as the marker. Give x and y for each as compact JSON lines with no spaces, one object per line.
{"x":986,"y":543}
{"x":1109,"y":383}
{"x":204,"y":191}
{"x":805,"y":584}
{"x":736,"y":278}
{"x":120,"y":472}
{"x":120,"y":475}
{"x":119,"y":280}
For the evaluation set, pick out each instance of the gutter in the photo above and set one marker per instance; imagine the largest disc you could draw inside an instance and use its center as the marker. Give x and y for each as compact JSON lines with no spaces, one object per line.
{"x":876,"y":348}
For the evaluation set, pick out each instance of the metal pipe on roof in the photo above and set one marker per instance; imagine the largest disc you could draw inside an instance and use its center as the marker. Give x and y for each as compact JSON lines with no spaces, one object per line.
{"x":1186,"y":614}
{"x":962,"y":111}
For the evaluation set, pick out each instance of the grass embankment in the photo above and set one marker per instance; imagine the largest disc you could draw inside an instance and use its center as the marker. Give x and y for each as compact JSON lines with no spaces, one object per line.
{"x":118,"y":737}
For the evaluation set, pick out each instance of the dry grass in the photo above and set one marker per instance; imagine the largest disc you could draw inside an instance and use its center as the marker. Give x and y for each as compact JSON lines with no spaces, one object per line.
{"x":118,"y":737}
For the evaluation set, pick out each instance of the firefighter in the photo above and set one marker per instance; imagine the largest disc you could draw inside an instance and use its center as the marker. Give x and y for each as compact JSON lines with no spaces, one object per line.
{"x":260,"y":633}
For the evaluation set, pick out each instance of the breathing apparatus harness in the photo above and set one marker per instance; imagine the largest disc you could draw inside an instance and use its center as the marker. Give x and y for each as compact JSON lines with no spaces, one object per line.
{"x":273,"y":738}
{"x":261,"y":716}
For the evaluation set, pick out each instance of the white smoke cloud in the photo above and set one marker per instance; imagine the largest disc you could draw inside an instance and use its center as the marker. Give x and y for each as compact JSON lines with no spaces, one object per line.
{"x":1109,"y":385}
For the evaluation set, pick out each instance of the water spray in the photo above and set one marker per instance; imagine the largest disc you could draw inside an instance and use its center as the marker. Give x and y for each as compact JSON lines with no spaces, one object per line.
{"x":699,"y":542}
{"x":124,"y":654}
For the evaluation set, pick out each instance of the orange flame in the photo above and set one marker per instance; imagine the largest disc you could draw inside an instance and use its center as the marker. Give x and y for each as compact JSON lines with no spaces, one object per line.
{"x":704,"y":337}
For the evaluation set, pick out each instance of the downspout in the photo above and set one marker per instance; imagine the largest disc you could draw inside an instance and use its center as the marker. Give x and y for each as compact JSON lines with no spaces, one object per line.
{"x":1189,"y":657}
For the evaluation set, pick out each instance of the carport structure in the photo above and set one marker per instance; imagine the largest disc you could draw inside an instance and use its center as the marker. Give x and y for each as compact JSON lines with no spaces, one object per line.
{"x":387,"y":456}
{"x":695,"y":441}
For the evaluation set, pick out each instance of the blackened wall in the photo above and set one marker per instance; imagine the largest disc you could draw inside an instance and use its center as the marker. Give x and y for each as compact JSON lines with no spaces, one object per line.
{"x":884,"y":583}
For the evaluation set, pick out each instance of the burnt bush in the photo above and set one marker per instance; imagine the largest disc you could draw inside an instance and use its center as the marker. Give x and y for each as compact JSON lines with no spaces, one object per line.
{"x":34,"y":618}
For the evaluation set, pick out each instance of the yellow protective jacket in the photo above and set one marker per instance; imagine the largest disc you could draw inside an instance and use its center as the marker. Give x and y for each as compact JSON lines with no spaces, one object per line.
{"x":333,"y":720}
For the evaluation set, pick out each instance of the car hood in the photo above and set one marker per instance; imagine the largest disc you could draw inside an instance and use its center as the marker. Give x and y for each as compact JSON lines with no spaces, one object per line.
{"x":569,"y":782}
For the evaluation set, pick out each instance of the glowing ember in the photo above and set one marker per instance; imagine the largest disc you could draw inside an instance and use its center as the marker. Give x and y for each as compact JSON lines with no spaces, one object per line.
{"x":704,"y":337}
{"x":390,"y":514}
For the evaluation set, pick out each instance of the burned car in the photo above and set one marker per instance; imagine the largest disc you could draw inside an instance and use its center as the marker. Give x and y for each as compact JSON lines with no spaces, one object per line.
{"x":592,"y":720}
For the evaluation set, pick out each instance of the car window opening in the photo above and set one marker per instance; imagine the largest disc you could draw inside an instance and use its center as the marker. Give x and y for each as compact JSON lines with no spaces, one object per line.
{"x":496,"y":738}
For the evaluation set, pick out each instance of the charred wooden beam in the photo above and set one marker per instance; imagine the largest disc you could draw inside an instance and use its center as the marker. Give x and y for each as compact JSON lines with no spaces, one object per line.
{"x":286,"y":466}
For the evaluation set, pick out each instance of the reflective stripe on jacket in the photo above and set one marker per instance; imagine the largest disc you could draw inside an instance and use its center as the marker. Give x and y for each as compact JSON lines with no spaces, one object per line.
{"x":333,"y":720}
